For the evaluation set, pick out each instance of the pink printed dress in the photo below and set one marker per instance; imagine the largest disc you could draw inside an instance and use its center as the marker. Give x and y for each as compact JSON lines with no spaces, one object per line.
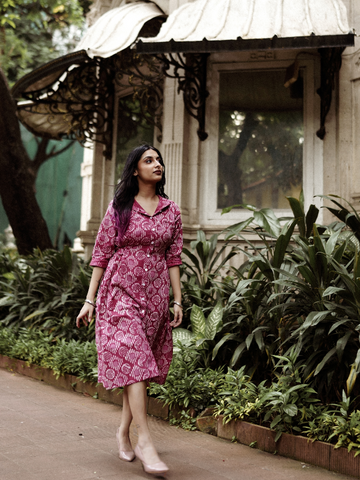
{"x":133,"y":334}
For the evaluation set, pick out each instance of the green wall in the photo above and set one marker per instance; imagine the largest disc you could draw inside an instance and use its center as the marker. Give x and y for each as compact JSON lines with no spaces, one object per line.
{"x":58,"y":190}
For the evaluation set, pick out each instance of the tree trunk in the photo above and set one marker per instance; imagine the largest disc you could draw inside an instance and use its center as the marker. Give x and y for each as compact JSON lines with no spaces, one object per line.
{"x":17,"y":180}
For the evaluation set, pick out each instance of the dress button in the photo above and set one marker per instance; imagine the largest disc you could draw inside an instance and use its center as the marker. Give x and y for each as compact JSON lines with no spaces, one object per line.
{"x":146,"y":269}
{"x":152,"y":243}
{"x":153,"y":229}
{"x":148,"y":255}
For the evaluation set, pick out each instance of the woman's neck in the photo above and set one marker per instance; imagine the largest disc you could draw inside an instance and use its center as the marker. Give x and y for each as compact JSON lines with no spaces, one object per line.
{"x":147,"y":193}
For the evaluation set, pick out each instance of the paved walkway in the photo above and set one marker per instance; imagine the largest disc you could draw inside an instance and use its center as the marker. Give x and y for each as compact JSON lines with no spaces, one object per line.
{"x":48,"y":434}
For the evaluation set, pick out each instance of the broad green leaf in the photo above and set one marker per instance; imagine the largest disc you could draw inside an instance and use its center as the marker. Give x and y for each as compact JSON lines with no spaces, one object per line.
{"x":291,"y":409}
{"x":331,"y":243}
{"x":237,"y":354}
{"x":281,"y":246}
{"x":338,"y":324}
{"x":35,"y":314}
{"x":243,"y":284}
{"x":332,"y":290}
{"x":267,"y":220}
{"x":341,"y":344}
{"x":192,"y":257}
{"x":182,"y":335}
{"x":249,"y":340}
{"x":7,"y":301}
{"x":258,"y":333}
{"x":314,"y":318}
{"x":214,"y":321}
{"x":228,"y":209}
{"x":310,"y":219}
{"x":308,"y":275}
{"x":197,"y":319}
{"x":221,"y":342}
{"x":276,"y":420}
{"x":324,"y":360}
{"x":298,"y":212}
{"x":237,"y":228}
{"x":9,"y":275}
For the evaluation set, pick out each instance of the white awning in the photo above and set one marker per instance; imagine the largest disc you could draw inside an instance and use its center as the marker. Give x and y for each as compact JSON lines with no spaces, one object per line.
{"x":209,"y":22}
{"x":111,"y":33}
{"x":46,"y":113}
{"x":117,"y":29}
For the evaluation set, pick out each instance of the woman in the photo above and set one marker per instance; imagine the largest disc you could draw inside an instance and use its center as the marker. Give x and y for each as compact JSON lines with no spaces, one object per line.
{"x":136,"y":257}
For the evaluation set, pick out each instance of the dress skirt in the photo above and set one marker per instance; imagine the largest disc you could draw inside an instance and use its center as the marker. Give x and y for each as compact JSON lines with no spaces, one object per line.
{"x":133,"y":332}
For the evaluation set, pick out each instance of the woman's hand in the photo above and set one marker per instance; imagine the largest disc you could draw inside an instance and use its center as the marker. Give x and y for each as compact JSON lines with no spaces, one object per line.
{"x":178,"y":315}
{"x":86,"y":314}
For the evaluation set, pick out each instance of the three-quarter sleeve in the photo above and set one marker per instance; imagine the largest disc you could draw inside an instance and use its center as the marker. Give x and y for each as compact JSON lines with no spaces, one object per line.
{"x":173,"y":252}
{"x":105,"y":240}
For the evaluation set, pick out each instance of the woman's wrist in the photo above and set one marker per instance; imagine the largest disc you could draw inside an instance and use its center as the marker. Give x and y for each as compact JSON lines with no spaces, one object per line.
{"x":91,"y":302}
{"x":175,"y":302}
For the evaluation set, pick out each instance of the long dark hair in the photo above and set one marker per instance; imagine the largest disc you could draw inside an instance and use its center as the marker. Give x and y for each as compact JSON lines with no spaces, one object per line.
{"x":128,"y":188}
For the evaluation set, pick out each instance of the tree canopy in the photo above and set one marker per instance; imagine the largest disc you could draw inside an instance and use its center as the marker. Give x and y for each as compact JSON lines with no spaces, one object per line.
{"x":32,"y":32}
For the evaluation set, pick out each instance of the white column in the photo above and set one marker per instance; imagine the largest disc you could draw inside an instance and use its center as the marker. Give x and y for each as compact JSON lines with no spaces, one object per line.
{"x":97,"y":191}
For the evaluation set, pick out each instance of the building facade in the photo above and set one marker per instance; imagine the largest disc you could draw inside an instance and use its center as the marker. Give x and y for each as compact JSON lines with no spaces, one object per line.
{"x":256,"y":100}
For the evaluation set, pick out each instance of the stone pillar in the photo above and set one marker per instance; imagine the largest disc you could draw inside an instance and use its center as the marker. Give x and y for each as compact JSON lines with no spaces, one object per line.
{"x":172,"y":143}
{"x":97,"y":192}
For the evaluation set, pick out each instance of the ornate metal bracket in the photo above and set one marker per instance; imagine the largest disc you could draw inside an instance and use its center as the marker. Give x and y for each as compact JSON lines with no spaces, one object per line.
{"x":81,"y":101}
{"x":330,"y":66}
{"x":143,"y":73}
{"x":192,"y":83}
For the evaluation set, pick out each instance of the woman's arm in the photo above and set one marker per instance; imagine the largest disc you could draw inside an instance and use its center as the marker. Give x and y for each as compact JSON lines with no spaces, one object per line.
{"x":174,"y":273}
{"x":86,"y":313}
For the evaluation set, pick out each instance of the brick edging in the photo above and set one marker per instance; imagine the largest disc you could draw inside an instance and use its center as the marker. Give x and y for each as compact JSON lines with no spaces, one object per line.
{"x":299,"y":448}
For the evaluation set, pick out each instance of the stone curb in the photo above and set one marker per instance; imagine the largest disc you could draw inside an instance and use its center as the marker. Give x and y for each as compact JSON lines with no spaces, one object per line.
{"x":296,"y":447}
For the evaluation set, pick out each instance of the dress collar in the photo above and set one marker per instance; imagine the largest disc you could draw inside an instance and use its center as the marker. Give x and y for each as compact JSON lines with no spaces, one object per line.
{"x":162,"y":205}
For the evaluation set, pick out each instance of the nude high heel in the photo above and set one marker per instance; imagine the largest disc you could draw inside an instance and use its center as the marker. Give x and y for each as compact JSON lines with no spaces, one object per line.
{"x":154,"y":469}
{"x":127,"y":456}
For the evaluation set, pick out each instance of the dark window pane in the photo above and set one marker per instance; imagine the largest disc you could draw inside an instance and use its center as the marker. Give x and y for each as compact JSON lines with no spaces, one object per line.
{"x":261,"y":139}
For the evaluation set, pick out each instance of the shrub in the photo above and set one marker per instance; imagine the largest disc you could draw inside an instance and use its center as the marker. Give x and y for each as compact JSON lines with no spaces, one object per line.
{"x":45,"y":290}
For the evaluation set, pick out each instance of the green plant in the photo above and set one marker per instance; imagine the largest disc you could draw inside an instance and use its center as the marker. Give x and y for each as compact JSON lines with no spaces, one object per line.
{"x":184,"y":420}
{"x":43,"y":349}
{"x":204,"y":264}
{"x":282,"y":405}
{"x":203,"y":330}
{"x":45,"y":290}
{"x":187,"y":385}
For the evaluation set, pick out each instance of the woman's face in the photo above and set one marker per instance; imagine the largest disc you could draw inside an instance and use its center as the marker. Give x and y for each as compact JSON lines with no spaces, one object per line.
{"x":149,"y":168}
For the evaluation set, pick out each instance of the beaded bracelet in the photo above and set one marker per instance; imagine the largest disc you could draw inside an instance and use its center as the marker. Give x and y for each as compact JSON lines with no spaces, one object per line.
{"x":177,"y":303}
{"x":91,"y":303}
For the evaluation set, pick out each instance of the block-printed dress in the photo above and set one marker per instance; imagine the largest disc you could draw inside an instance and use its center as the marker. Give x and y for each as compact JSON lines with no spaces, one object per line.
{"x":133,"y":332}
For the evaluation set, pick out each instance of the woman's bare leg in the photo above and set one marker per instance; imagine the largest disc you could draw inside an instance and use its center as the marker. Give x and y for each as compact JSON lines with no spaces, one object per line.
{"x":126,"y":419}
{"x":137,"y":400}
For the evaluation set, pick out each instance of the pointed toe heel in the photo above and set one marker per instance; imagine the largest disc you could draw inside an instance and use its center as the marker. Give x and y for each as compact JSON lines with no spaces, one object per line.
{"x":159,"y":468}
{"x":127,"y":456}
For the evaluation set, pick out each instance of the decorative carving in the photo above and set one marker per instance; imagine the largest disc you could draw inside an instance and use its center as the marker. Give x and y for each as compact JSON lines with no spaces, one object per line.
{"x":192,"y":83}
{"x":330,"y":66}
